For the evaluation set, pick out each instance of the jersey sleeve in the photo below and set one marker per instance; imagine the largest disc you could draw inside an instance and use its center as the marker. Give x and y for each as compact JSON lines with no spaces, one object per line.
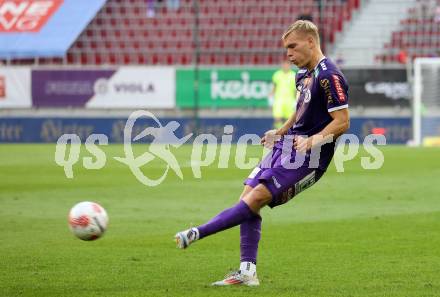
{"x":335,"y":90}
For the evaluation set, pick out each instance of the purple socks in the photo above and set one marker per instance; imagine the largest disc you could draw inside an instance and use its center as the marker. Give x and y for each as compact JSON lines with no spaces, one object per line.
{"x":250,"y":234}
{"x":227,"y":219}
{"x":250,"y":228}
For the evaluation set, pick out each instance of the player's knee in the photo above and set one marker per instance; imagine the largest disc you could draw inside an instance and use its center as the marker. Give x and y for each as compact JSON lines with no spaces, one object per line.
{"x":247,"y":189}
{"x":259,"y":197}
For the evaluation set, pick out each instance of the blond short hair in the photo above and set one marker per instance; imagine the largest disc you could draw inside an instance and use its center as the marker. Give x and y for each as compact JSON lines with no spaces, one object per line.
{"x":303,"y":26}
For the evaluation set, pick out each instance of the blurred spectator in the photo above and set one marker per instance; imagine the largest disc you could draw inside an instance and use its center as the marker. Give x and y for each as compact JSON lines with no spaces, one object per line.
{"x":173,"y":4}
{"x":437,"y":14}
{"x":425,"y":9}
{"x":150,"y":8}
{"x":152,"y":5}
{"x":402,"y":56}
{"x":282,"y":98}
{"x":318,"y":3}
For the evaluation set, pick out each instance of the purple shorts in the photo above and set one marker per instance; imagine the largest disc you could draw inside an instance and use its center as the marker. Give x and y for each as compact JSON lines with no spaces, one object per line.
{"x":282,"y":183}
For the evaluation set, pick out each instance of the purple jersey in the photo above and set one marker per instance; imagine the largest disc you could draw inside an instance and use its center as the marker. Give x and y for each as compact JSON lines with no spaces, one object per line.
{"x":322,"y":90}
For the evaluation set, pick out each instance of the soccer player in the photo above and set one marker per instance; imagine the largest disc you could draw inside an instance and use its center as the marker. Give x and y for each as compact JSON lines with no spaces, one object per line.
{"x":321,"y":116}
{"x":283,"y":94}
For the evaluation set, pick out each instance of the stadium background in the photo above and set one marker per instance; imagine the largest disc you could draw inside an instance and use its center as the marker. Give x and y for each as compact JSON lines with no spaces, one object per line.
{"x":82,"y":66}
{"x":86,"y":65}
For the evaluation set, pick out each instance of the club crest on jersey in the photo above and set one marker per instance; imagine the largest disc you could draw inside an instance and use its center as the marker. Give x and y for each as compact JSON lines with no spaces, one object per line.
{"x":305,"y":89}
{"x":307,"y":96}
{"x":307,"y":82}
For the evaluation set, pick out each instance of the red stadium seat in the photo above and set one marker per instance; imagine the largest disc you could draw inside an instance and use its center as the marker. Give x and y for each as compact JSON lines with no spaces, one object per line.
{"x":230,"y":32}
{"x":416,"y":34}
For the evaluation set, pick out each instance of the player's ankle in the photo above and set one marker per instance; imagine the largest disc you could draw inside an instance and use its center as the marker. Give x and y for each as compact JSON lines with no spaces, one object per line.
{"x":248,"y":268}
{"x":196,"y":233}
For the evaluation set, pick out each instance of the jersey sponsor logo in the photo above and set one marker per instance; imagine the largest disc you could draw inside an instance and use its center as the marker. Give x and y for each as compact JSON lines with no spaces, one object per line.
{"x":2,"y":88}
{"x":26,"y":16}
{"x":323,"y":66}
{"x":302,"y":71}
{"x":339,"y":89}
{"x":325,"y":84}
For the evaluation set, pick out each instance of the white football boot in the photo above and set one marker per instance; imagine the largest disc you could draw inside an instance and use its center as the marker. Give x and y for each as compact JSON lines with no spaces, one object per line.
{"x":185,"y":238}
{"x":238,"y":278}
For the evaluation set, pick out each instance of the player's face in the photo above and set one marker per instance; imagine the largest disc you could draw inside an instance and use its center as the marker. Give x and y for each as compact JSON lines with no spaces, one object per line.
{"x":299,"y":48}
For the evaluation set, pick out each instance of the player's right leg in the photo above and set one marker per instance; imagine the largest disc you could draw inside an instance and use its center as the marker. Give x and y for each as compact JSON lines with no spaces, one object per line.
{"x":246,"y":190}
{"x":245,"y":209}
{"x":240,"y":212}
{"x":185,"y":238}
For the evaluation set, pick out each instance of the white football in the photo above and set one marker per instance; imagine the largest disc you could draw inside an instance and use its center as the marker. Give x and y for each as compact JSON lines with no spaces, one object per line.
{"x":88,"y":220}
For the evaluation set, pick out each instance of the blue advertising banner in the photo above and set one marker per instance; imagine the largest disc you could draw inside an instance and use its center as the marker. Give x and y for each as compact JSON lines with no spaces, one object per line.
{"x":48,"y":130}
{"x":48,"y":28}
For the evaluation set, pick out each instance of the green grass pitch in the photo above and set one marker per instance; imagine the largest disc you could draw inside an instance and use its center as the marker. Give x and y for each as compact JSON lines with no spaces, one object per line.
{"x":358,"y":233}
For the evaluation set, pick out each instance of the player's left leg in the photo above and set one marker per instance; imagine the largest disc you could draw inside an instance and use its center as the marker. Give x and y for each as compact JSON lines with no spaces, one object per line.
{"x":250,"y":234}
